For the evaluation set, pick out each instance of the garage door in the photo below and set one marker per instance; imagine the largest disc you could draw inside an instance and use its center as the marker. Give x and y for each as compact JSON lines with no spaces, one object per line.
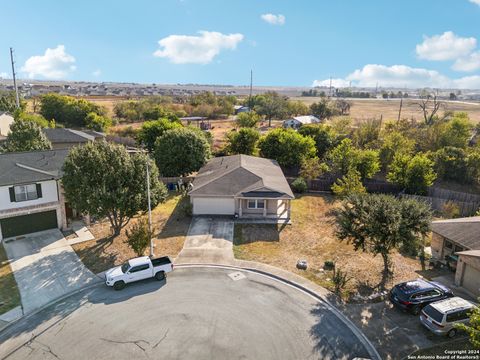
{"x":213,"y":206}
{"x":471,"y":280}
{"x":26,"y":224}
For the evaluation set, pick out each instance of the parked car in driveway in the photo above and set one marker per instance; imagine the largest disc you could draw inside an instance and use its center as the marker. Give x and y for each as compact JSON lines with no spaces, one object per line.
{"x":413,"y":295}
{"x":138,"y":269}
{"x":440,"y":317}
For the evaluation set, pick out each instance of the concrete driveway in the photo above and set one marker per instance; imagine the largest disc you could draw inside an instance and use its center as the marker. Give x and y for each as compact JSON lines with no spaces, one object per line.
{"x":209,"y":241}
{"x":198,"y":313}
{"x":45,"y":267}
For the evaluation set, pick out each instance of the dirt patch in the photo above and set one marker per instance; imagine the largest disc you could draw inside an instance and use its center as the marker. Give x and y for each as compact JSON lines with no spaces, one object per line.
{"x":9,"y":295}
{"x":170,"y":222}
{"x":312,"y":237}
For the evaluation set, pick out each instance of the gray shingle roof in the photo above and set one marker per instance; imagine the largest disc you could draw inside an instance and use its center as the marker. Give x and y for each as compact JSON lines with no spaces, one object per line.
{"x":241,"y":175}
{"x":59,"y":135}
{"x":27,"y":167}
{"x":463,"y":231}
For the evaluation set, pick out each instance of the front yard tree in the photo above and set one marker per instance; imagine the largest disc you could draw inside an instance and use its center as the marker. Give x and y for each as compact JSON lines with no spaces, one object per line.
{"x":379,"y":224}
{"x":179,"y":152}
{"x":104,"y":180}
{"x":287,"y":146}
{"x":243,"y":141}
{"x":138,"y":237}
{"x":26,"y":136}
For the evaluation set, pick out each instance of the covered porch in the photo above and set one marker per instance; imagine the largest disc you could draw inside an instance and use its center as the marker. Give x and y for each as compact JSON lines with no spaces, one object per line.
{"x":263,"y":208}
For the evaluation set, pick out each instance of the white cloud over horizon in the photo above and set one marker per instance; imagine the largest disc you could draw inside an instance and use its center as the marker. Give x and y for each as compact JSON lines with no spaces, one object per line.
{"x":54,"y":64}
{"x":273,"y":19}
{"x":97,"y":73}
{"x":476,"y":2}
{"x":337,"y":83}
{"x":196,"y":49}
{"x":447,"y":46}
{"x":468,"y":63}
{"x":402,"y":76}
{"x":4,"y":75}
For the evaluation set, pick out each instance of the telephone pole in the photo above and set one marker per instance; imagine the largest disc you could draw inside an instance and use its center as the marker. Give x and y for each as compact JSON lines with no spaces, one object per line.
{"x":17,"y":99}
{"x":149,"y":210}
{"x":251,"y":88}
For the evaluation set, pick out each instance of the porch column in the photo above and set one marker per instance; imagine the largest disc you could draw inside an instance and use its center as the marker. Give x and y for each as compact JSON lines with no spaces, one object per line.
{"x":265,"y":207}
{"x":288,"y":208}
{"x":240,"y":201}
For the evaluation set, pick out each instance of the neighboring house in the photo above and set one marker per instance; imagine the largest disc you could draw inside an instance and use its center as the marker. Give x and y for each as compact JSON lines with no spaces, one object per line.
{"x":5,"y":121}
{"x":457,"y":242}
{"x":31,"y":197}
{"x":62,"y":138}
{"x":299,"y":121}
{"x":241,"y":185}
{"x":240,"y":108}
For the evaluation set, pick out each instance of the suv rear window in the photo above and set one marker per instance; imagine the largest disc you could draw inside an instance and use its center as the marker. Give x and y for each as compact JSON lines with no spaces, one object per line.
{"x":433,"y":313}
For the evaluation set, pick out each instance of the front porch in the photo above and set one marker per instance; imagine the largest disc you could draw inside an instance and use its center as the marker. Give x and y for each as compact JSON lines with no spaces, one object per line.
{"x":262,"y":210}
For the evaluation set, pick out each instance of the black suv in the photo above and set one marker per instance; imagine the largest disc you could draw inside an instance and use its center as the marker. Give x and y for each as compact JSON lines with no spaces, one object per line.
{"x":414,"y":295}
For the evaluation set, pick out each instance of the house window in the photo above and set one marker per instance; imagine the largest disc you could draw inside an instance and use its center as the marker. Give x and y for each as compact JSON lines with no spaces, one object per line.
{"x":26,"y":192}
{"x":256,"y":204}
{"x":448,"y":245}
{"x":458,"y":248}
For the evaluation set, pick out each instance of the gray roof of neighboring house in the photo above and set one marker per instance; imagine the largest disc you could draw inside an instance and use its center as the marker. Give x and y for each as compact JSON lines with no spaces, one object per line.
{"x":61,"y":135}
{"x":463,"y":231}
{"x":27,"y":167}
{"x":243,"y":175}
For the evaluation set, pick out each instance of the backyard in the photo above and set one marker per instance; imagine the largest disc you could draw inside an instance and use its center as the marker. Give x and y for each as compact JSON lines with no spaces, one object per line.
{"x":170,"y":222}
{"x":9,"y":295}
{"x":311,"y":237}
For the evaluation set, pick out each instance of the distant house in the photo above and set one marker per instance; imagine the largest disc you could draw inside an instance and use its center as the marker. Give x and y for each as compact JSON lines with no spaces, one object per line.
{"x":242,"y":186}
{"x":5,"y":121}
{"x":31,"y":197}
{"x":67,"y":138}
{"x":299,"y":121}
{"x":457,"y":243}
{"x":240,"y":108}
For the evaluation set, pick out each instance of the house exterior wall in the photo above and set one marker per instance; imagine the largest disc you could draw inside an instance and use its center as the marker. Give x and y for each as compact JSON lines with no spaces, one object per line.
{"x":49,"y":195}
{"x":5,"y":122}
{"x":437,"y":246}
{"x":462,"y":263}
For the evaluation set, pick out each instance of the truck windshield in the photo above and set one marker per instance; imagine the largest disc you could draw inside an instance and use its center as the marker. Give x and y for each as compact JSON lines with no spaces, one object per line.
{"x":125,"y":267}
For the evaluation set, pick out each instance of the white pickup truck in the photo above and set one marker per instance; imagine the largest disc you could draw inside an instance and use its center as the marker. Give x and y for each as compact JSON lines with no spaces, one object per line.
{"x":138,"y":269}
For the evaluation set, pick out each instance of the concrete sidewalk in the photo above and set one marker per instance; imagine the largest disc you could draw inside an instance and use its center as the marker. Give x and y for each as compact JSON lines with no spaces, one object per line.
{"x":45,"y":268}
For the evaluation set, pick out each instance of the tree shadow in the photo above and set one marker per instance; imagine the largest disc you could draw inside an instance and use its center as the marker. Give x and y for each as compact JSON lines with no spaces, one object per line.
{"x":250,"y":233}
{"x":178,"y":222}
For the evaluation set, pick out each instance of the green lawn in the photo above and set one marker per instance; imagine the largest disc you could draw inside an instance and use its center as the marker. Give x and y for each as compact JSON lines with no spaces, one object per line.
{"x":9,"y":295}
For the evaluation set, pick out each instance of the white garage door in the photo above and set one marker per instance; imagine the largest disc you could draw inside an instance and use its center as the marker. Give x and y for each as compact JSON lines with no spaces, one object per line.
{"x":213,"y":206}
{"x":471,"y":280}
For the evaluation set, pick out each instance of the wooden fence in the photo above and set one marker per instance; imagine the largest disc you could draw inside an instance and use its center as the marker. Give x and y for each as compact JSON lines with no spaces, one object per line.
{"x":439,"y":204}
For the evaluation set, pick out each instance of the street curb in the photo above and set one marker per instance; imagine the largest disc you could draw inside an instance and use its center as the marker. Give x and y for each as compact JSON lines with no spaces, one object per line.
{"x":359,"y":334}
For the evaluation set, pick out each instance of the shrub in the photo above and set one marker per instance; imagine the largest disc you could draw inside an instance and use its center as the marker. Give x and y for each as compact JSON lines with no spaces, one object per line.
{"x":248,"y":119}
{"x":339,"y":279}
{"x":329,"y":265}
{"x":299,"y":185}
{"x":450,"y":210}
{"x":138,"y":238}
{"x":349,"y":184}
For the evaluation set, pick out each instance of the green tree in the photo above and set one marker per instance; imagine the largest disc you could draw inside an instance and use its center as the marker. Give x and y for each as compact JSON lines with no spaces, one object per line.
{"x":26,"y":136}
{"x":367,"y":134}
{"x":179,"y":152}
{"x":324,"y":136}
{"x":473,"y":165}
{"x":36,"y":118}
{"x":138,"y":237}
{"x":379,"y":224}
{"x":349,"y":184}
{"x":158,"y":112}
{"x":312,"y":168}
{"x":415,"y":174}
{"x":97,"y":122}
{"x":243,"y":141}
{"x":395,"y":142}
{"x":286,"y":146}
{"x":271,"y":105}
{"x":104,"y":180}
{"x":296,"y":108}
{"x":456,"y":132}
{"x":323,"y":109}
{"x":473,"y":327}
{"x":248,"y":119}
{"x":8,"y":102}
{"x":299,"y":185}
{"x":451,"y":163}
{"x":151,"y":130}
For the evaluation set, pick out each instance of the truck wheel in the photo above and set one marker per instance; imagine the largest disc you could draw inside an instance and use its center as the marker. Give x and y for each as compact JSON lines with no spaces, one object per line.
{"x":160,"y":275}
{"x":452,"y":333}
{"x":119,"y":285}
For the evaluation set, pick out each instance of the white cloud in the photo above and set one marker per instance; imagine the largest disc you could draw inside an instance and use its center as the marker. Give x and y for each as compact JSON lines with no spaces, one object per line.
{"x":97,"y":73}
{"x":274,"y":19}
{"x":469,"y":63}
{"x":201,"y":49}
{"x":337,"y":83}
{"x":401,"y":76}
{"x":477,"y":2}
{"x":54,"y":64}
{"x":447,"y":46}
{"x":4,"y":75}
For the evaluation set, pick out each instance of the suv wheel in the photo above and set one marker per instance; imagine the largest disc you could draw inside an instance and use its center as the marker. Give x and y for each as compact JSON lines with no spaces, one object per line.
{"x":452,"y":333}
{"x":119,"y":285}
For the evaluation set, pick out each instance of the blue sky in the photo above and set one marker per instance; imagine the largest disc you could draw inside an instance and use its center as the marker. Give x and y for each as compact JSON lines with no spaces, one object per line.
{"x":293,"y":43}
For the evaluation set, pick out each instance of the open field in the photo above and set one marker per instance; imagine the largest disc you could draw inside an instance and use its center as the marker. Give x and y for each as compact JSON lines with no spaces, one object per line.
{"x":9,"y":295}
{"x":373,"y":108}
{"x":170,"y":225}
{"x":311,"y":237}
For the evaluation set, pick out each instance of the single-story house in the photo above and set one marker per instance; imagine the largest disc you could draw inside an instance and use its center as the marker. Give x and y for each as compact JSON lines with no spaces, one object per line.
{"x":5,"y":121}
{"x":299,"y":121}
{"x":31,"y":197}
{"x":240,"y":108}
{"x":457,"y":242}
{"x":242,"y":186}
{"x":62,"y":138}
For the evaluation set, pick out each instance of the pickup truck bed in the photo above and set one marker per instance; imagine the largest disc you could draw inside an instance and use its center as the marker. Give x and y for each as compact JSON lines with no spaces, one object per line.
{"x":164,"y":260}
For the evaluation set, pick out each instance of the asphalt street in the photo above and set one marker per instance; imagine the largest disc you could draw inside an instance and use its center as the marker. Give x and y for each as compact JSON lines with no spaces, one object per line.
{"x":198,"y":313}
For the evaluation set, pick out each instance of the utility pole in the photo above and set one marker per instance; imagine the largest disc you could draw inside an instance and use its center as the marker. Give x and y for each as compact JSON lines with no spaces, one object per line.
{"x":330,"y":88}
{"x":149,"y":210}
{"x":400,"y":110}
{"x":17,"y":99}
{"x":251,"y":89}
